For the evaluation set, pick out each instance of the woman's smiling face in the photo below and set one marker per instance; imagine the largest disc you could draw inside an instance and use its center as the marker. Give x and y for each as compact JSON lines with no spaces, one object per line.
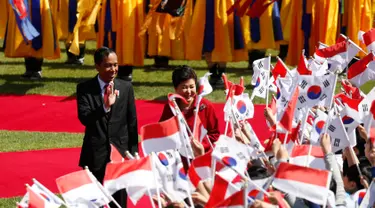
{"x":187,"y":89}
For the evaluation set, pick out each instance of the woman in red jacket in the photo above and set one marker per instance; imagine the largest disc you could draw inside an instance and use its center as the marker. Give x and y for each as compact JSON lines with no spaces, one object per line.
{"x":184,"y":81}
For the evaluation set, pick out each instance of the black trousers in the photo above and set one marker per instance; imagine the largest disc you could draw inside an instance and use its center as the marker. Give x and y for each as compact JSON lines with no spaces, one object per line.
{"x":120,"y":196}
{"x":125,"y":70}
{"x":71,"y":56}
{"x":33,"y":64}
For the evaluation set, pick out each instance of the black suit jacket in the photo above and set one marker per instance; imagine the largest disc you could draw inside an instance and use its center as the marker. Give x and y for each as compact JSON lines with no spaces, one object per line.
{"x":119,"y":128}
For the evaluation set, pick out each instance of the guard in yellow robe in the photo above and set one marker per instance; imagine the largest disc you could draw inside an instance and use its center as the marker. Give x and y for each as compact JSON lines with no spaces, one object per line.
{"x":167,"y":35}
{"x":82,"y":17}
{"x":119,"y":23}
{"x":31,"y":34}
{"x":217,"y":35}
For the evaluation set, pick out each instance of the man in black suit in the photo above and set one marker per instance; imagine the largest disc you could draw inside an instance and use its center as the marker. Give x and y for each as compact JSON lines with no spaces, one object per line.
{"x":106,"y":107}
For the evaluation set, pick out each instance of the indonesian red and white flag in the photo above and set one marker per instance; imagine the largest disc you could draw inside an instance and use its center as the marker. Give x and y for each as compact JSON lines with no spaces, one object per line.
{"x":302,"y":65}
{"x":368,"y":38}
{"x":115,"y":154}
{"x":280,"y":69}
{"x":339,"y":54}
{"x":204,"y":85}
{"x":128,"y":174}
{"x":201,"y":131}
{"x":80,"y":189}
{"x":308,"y":155}
{"x":172,"y":99}
{"x":303,"y":182}
{"x":362,"y":71}
{"x":351,"y":91}
{"x":160,"y":136}
{"x":223,"y":189}
{"x":36,"y":200}
{"x":200,"y":169}
{"x":234,"y":201}
{"x":286,"y":120}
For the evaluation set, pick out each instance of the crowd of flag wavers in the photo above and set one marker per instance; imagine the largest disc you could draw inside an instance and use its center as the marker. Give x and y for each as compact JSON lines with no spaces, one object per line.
{"x":321,"y":151}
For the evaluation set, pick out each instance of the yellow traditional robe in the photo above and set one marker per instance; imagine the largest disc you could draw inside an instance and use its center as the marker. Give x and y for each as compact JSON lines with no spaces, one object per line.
{"x":223,"y":29}
{"x":3,"y":18}
{"x":17,"y":47}
{"x":127,"y":20}
{"x":160,"y":40}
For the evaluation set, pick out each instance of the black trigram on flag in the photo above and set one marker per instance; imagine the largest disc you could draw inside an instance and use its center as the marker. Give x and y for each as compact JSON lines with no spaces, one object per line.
{"x":283,"y":99}
{"x":301,"y":99}
{"x":336,"y":143}
{"x":331,"y":128}
{"x":224,"y":149}
{"x":256,"y":145}
{"x":323,"y":97}
{"x":365,"y":107}
{"x":241,"y":156}
{"x":263,"y":74}
{"x":260,"y":64}
{"x":326,"y":83}
{"x":303,"y":84}
{"x":261,"y":90}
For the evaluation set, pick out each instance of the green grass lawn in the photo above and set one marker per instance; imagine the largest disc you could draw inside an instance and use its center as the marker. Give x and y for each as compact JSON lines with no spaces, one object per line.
{"x":60,"y":79}
{"x":24,"y":140}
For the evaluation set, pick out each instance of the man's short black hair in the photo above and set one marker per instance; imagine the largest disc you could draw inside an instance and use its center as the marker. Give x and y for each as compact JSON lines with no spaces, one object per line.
{"x":183,"y":73}
{"x":353,"y":174}
{"x":101,"y":53}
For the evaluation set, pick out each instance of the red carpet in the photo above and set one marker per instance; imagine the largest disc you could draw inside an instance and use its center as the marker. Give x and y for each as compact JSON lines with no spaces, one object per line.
{"x":59,"y":114}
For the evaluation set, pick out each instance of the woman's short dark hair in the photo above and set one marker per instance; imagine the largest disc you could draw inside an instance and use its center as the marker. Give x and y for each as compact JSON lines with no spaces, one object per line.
{"x":183,"y":73}
{"x":102,"y":53}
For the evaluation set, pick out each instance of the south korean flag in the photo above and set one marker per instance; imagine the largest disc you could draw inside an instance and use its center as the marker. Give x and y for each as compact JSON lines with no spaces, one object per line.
{"x":365,"y":104}
{"x":313,"y":90}
{"x":261,"y":77}
{"x":285,"y":89}
{"x":350,"y":118}
{"x":328,"y":82}
{"x":318,"y":126}
{"x":172,"y":174}
{"x":242,"y":107}
{"x":337,"y":132}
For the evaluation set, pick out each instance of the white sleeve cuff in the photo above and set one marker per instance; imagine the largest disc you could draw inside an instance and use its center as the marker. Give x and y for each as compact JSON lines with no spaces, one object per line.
{"x":106,"y":109}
